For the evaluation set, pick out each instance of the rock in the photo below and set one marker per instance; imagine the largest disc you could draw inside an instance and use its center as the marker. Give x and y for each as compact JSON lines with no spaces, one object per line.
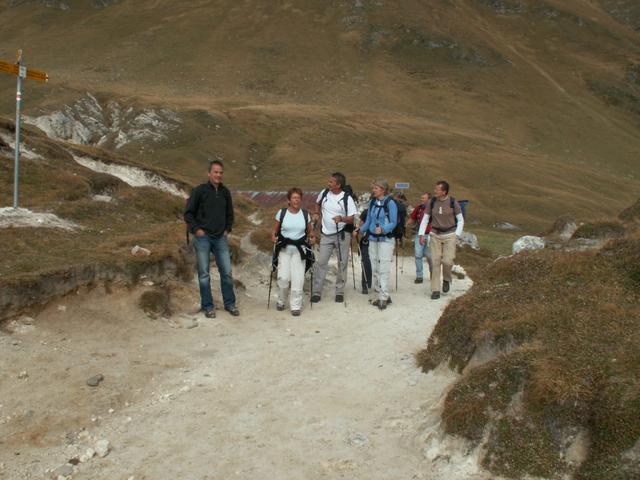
{"x":528,"y":242}
{"x":62,"y":308}
{"x":564,"y":227}
{"x":21,"y":326}
{"x":470,"y":239}
{"x":65,"y":470}
{"x":506,"y":226}
{"x":458,"y":271}
{"x":139,"y":251}
{"x":103,"y":448}
{"x":95,"y":380}
{"x":87,"y":455}
{"x":23,"y":374}
{"x":358,"y":440}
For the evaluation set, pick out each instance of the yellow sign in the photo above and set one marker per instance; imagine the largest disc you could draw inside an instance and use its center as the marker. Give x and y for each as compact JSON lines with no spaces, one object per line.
{"x":15,"y":70}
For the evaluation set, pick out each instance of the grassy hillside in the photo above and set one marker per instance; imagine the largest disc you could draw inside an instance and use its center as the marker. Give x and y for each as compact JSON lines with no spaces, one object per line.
{"x":548,"y":345}
{"x":530,"y":108}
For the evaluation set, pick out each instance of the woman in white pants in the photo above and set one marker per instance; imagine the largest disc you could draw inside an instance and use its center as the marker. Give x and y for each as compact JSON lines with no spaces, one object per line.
{"x":382,"y":216}
{"x":290,"y":234}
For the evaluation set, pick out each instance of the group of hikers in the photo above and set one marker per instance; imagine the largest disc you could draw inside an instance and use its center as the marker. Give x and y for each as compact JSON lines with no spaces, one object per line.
{"x":438,"y":221}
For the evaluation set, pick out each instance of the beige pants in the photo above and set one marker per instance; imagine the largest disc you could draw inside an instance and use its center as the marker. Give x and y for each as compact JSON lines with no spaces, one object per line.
{"x":443,"y":253}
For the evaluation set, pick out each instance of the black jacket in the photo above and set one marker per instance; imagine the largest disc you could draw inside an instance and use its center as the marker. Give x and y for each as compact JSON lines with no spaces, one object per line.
{"x":210,"y":209}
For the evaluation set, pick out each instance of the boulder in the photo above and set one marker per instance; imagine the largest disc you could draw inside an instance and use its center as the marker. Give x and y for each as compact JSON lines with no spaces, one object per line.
{"x":528,"y":242}
{"x":470,"y":239}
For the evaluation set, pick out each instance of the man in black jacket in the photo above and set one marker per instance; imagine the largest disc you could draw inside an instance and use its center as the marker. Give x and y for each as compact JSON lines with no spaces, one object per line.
{"x":209,"y":216}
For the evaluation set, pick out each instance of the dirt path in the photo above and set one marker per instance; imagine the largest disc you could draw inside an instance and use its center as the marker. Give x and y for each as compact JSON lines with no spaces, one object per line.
{"x":332,"y":394}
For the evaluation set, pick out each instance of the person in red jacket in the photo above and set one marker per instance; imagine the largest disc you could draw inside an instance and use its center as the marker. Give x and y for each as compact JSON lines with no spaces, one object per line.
{"x":421,"y":251}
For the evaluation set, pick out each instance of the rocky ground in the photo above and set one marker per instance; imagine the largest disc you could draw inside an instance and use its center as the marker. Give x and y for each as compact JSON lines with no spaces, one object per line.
{"x":332,"y":394}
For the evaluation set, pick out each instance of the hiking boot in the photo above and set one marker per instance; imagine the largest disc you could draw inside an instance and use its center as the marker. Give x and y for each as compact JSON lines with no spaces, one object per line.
{"x":435,"y":295}
{"x":376,"y":302}
{"x":365,"y":291}
{"x":418,"y":280}
{"x":233,"y":310}
{"x":295,"y":313}
{"x":279,"y":307}
{"x":446,"y":286}
{"x":210,"y":313}
{"x":382,"y":304}
{"x":315,"y":298}
{"x":339,"y":298}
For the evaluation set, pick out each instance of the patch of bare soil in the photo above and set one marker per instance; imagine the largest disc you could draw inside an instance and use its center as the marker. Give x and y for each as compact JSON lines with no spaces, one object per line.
{"x":334,"y":393}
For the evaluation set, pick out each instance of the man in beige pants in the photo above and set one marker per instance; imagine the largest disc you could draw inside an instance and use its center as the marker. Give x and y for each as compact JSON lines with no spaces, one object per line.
{"x":447,"y":222}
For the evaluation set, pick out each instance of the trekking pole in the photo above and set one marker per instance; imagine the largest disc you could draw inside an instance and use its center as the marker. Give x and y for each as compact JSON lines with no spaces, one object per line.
{"x":396,"y":265}
{"x":353,"y":268}
{"x":344,"y":298}
{"x":402,"y":258}
{"x":271,"y":276}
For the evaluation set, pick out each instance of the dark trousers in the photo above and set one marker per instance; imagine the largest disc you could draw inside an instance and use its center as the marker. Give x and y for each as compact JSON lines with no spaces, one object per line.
{"x":366,"y":263}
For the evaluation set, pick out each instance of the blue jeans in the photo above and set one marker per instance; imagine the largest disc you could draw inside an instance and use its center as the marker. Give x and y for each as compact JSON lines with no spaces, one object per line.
{"x":219,"y":246}
{"x":420,"y":252}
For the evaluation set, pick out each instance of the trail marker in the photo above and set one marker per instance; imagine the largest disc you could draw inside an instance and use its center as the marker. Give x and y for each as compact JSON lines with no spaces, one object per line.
{"x":402,"y":186}
{"x":21,"y":72}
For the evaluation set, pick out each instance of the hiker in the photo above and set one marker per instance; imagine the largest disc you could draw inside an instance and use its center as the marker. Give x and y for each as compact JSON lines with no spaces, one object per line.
{"x":290,"y":234}
{"x":337,"y":208}
{"x":445,"y":215}
{"x":420,"y":250}
{"x":209,"y":217}
{"x":382,"y":215}
{"x":363,"y":247}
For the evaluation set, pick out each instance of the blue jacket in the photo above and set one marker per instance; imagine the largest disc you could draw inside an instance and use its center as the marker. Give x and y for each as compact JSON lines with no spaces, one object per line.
{"x":376,"y":216}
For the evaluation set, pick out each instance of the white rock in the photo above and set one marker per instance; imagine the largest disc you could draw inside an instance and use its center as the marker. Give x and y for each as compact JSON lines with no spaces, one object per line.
{"x":87,"y":455}
{"x":103,"y":447}
{"x":468,"y":238}
{"x":23,"y":374}
{"x":528,"y":242}
{"x":140,"y":251}
{"x":62,"y":308}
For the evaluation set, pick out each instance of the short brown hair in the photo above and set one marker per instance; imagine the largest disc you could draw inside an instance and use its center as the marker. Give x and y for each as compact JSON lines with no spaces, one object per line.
{"x":293,"y":190}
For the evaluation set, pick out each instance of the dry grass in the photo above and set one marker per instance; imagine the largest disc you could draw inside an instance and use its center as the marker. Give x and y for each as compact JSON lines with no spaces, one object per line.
{"x":568,"y":327}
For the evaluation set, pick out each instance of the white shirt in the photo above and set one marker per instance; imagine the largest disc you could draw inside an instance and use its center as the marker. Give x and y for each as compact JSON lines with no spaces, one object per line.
{"x":293,"y":226}
{"x":332,"y":206}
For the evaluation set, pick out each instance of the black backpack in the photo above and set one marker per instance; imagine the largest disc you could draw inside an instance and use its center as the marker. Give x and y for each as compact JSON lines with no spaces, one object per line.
{"x":399,"y":230}
{"x":348,"y":192}
{"x":452,"y":202}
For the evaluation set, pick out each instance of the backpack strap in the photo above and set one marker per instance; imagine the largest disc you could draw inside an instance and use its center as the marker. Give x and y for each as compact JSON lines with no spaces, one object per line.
{"x":305,"y":214}
{"x":325,"y":192}
{"x":452,"y":202}
{"x":283,"y":212}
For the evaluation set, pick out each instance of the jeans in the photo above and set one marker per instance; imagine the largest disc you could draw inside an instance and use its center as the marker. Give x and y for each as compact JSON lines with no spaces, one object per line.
{"x":420,"y":252}
{"x":219,"y":246}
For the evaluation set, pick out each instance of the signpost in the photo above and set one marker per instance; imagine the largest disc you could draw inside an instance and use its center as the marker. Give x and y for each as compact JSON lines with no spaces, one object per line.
{"x":22,"y":72}
{"x":402,"y":186}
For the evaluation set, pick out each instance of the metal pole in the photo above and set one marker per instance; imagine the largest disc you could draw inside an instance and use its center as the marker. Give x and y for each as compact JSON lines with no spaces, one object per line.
{"x":16,"y":175}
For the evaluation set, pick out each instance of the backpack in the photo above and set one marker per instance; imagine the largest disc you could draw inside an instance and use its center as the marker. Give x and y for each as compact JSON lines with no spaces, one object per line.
{"x":452,"y":202}
{"x":399,"y":230}
{"x":348,"y":192}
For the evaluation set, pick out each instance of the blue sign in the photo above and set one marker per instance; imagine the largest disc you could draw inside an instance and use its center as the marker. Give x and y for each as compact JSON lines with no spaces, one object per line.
{"x":402,"y":186}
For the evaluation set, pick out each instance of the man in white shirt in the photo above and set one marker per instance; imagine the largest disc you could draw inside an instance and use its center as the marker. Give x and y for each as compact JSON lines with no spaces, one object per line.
{"x":337,"y":210}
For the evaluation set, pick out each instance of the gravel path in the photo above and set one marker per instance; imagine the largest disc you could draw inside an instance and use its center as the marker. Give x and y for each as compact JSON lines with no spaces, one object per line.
{"x":332,"y":394}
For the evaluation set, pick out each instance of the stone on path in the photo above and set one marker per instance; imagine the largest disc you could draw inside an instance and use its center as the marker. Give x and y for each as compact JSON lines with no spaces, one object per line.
{"x":95,"y":380}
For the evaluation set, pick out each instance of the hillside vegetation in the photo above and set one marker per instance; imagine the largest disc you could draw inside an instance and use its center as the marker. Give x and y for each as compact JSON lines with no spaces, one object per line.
{"x":548,"y":343}
{"x":530,"y":108}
